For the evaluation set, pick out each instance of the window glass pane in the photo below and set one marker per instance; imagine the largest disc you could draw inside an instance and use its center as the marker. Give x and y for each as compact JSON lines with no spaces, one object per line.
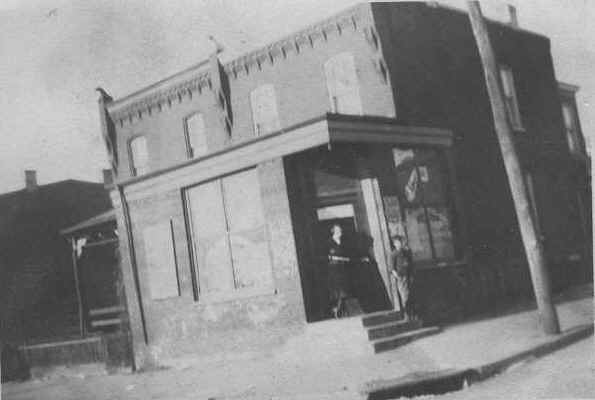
{"x":242,"y":201}
{"x":249,"y":246}
{"x":417,"y":234}
{"x":422,"y":187}
{"x":264,"y":110}
{"x":441,"y":232}
{"x":570,"y":125}
{"x":342,"y":84}
{"x":197,"y":140}
{"x":160,"y":259}
{"x":510,"y":97}
{"x":140,"y":155}
{"x":211,"y":243}
{"x":251,"y":259}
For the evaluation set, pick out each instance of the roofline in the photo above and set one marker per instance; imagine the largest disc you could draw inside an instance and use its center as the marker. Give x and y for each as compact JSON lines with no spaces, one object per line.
{"x":330,"y":118}
{"x":193,"y":71}
{"x":438,"y":4}
{"x":164,"y":83}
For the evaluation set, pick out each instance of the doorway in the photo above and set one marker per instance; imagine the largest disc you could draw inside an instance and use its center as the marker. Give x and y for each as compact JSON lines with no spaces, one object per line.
{"x":333,"y":190}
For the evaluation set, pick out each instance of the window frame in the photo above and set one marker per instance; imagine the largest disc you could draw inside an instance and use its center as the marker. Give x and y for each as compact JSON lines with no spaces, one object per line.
{"x":331,"y":84}
{"x":192,"y":238}
{"x":511,"y":101}
{"x":131,"y":155}
{"x":255,"y":123}
{"x":190,"y":151}
{"x":448,"y":203}
{"x":571,"y":133}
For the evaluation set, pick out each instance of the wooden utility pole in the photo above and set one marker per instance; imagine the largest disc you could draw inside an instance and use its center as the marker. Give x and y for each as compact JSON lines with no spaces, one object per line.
{"x":533,"y":247}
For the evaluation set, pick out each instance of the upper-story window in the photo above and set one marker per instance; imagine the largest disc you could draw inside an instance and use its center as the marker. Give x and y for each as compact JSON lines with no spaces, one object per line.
{"x":510,"y":98}
{"x":196,"y":138}
{"x":342,"y":84}
{"x":139,"y":156}
{"x":570,"y":126}
{"x":264,"y":110}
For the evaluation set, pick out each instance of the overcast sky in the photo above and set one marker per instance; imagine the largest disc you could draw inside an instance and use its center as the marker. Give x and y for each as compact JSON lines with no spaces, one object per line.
{"x":55,"y":53}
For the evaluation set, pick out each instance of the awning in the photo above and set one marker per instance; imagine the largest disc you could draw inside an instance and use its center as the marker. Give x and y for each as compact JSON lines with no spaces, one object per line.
{"x":88,"y":224}
{"x":325,"y":130}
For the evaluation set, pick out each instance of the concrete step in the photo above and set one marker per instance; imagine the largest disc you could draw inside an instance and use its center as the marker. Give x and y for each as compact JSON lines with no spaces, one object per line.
{"x":392,"y":328}
{"x":381,"y":317}
{"x":400,"y":339}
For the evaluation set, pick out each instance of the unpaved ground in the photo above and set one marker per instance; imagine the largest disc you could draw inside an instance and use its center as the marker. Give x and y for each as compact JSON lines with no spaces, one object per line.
{"x":567,"y":373}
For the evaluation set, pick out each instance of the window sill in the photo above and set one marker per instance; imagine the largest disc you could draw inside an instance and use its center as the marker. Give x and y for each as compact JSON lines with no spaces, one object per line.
{"x":213,"y":298}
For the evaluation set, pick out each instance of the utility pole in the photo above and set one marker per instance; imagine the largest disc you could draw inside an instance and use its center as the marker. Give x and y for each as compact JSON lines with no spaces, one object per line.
{"x":533,"y":247}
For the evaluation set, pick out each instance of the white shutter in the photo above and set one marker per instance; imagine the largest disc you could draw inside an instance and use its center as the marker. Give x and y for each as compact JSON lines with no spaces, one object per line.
{"x":197,"y":140}
{"x":342,"y":84}
{"x":264,"y":110}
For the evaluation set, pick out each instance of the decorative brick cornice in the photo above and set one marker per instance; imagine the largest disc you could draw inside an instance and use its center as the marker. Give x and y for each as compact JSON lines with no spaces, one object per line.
{"x":159,"y":99}
{"x":166,"y":93}
{"x":354,"y":19}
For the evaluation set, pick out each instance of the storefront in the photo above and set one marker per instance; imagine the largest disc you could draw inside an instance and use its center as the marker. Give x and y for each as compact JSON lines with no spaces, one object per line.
{"x":373,"y":191}
{"x":232,"y":244}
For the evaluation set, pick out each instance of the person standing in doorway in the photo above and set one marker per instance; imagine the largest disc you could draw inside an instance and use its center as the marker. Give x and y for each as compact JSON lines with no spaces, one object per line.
{"x":402,"y":273}
{"x":338,"y":261}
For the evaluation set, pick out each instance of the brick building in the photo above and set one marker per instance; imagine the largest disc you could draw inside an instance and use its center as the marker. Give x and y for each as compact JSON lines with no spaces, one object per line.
{"x":230,"y":173}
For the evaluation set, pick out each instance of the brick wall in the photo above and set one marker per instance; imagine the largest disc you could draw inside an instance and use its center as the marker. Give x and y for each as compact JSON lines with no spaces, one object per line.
{"x":178,"y":326}
{"x":300,"y":87}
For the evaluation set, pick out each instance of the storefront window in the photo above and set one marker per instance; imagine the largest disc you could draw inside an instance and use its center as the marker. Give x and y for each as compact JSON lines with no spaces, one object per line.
{"x":228,"y":231}
{"x":420,"y":210}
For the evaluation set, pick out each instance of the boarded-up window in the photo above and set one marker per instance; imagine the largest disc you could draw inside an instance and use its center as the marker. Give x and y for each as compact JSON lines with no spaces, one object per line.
{"x":342,"y":84}
{"x":161,"y":262}
{"x":510,"y":97}
{"x":264,"y":110}
{"x":229,"y":236}
{"x":196,"y":138}
{"x":139,"y":156}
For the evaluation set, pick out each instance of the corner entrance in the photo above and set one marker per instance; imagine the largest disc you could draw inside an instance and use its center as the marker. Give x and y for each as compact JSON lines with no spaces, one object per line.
{"x":371,"y":192}
{"x":334,"y":189}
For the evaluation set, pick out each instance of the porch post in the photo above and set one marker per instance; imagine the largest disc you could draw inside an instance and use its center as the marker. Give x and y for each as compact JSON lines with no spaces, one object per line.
{"x":77,"y":287}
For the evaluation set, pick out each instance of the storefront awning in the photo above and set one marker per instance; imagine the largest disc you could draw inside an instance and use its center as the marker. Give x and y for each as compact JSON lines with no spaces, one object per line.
{"x":325,"y":130}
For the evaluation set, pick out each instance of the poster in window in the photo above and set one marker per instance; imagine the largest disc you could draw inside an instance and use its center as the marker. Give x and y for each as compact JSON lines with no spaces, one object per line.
{"x":417,"y":233}
{"x":160,"y":259}
{"x":392,"y":211}
{"x":441,"y":232}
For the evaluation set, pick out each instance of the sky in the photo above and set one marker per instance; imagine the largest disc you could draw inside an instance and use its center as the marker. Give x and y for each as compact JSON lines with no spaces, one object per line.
{"x":56,"y":52}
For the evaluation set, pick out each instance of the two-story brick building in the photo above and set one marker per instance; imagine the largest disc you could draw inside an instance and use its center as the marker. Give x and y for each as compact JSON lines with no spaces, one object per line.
{"x":229,"y":175}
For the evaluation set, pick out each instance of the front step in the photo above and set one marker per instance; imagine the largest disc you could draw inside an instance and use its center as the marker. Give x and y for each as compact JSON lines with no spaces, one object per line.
{"x":381,"y":317}
{"x":400,"y":339}
{"x":392,"y":328}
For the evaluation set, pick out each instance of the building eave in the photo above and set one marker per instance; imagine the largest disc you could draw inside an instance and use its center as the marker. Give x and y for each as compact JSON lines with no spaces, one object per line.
{"x":328,"y":129}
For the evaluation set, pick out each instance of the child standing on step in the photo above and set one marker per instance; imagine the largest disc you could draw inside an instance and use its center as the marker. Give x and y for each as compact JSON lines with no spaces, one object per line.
{"x":402,"y":273}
